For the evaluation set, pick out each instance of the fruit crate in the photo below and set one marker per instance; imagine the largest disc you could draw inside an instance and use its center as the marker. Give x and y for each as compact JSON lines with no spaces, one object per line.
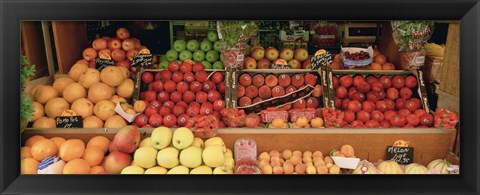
{"x":373,"y":93}
{"x":278,"y":87}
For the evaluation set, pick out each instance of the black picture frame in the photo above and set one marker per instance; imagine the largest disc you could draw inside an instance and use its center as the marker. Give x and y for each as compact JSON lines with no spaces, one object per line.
{"x":12,"y":12}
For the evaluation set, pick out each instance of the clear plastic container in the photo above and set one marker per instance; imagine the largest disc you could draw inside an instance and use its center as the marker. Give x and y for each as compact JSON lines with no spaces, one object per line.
{"x":245,"y":151}
{"x":297,"y":113}
{"x":268,"y":115}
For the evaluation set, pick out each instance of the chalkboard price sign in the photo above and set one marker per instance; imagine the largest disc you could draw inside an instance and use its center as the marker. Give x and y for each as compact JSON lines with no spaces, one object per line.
{"x":402,"y":155}
{"x":142,"y":60}
{"x":321,"y":60}
{"x":69,"y":122}
{"x":280,"y":66}
{"x":100,"y":64}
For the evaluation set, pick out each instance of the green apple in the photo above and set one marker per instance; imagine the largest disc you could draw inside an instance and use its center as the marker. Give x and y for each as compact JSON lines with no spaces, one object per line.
{"x":163,"y":58}
{"x":207,"y":64}
{"x":179,"y":170}
{"x":145,"y":157}
{"x":193,"y":45}
{"x":216,"y":46}
{"x":182,"y":138}
{"x":161,"y":137}
{"x":156,"y":170}
{"x":206,"y":46}
{"x":213,"y":156}
{"x":179,"y":45}
{"x":218,"y":65}
{"x":198,"y":55}
{"x":163,"y":64}
{"x":212,"y":36}
{"x":171,"y":55}
{"x":211,"y":56}
{"x":191,"y":157}
{"x":168,"y":157}
{"x":133,"y":170}
{"x":221,"y":56}
{"x":146,"y":142}
{"x":185,"y":55}
{"x":201,"y":170}
{"x":222,"y":170}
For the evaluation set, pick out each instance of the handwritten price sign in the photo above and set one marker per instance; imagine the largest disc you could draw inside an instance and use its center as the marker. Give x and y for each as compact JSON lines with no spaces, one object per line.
{"x":402,"y":155}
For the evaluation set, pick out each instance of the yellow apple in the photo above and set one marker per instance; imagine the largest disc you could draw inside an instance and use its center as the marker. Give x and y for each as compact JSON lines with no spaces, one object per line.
{"x":202,"y":170}
{"x":229,"y":153}
{"x":168,"y":157}
{"x":198,"y":142}
{"x":191,"y":157}
{"x":133,"y":170}
{"x":215,"y":141}
{"x":213,"y":156}
{"x":161,"y":137}
{"x":179,"y":170}
{"x":222,"y":170}
{"x":146,"y":142}
{"x":156,"y":170}
{"x":230,"y":163}
{"x":182,"y":138}
{"x":145,"y":157}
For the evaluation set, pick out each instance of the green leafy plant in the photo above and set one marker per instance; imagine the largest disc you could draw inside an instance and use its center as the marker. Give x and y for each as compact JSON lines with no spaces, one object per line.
{"x":27,"y":71}
{"x":412,"y":35}
{"x":235,"y":33}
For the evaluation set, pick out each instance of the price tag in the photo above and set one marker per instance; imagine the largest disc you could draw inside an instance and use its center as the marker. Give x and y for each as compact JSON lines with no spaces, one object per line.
{"x":100,"y":64}
{"x":69,"y":122}
{"x":322,"y":58}
{"x":280,"y":66}
{"x":402,"y":155}
{"x":142,"y":60}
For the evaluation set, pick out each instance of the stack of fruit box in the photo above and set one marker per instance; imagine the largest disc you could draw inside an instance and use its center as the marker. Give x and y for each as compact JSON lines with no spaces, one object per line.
{"x":421,"y":92}
{"x":234,"y":78}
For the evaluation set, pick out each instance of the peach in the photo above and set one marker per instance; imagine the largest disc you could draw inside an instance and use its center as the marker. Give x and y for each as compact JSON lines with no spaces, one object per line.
{"x":321,"y":169}
{"x":307,"y":153}
{"x":263,"y":163}
{"x":311,"y":169}
{"x":334,"y":169}
{"x":297,"y":80}
{"x":295,"y":159}
{"x":297,"y":152}
{"x":274,"y":153}
{"x":251,"y":91}
{"x":99,"y":44}
{"x":271,"y":80}
{"x":257,"y":99}
{"x":290,"y":89}
{"x":277,"y":170}
{"x":300,"y":104}
{"x":245,"y":79}
{"x":267,"y":169}
{"x":264,"y":156}
{"x":306,"y":159}
{"x":328,"y":165}
{"x":258,"y":80}
{"x":300,"y":168}
{"x":317,"y":91}
{"x":278,"y":91}
{"x":284,"y":80}
{"x":318,"y":162}
{"x":286,"y":154}
{"x":240,"y":91}
{"x":288,"y":168}
{"x":265,"y":92}
{"x":310,"y":79}
{"x":328,"y":159}
{"x":244,"y":101}
{"x":312,"y":102}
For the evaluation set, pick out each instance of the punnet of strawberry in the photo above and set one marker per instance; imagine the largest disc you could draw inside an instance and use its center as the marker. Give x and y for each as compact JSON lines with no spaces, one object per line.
{"x":233,"y":117}
{"x":445,"y":118}
{"x":204,"y":126}
{"x":333,"y":118}
{"x":271,"y":113}
{"x":296,"y":113}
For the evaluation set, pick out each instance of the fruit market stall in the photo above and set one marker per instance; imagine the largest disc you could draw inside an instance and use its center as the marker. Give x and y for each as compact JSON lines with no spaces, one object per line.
{"x":217,"y":102}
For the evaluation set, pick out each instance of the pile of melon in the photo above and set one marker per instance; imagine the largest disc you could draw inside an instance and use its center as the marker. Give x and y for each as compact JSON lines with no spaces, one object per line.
{"x":438,"y":166}
{"x":84,"y":92}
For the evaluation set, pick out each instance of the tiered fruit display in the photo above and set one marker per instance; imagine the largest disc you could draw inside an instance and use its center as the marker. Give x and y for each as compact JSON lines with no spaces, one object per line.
{"x":207,"y":52}
{"x":183,"y":91}
{"x":379,"y":61}
{"x":121,"y":49}
{"x":296,"y":162}
{"x":261,"y":58}
{"x":387,"y":101}
{"x":85,"y":92}
{"x":254,"y":88}
{"x":180,"y":153}
{"x":445,"y":118}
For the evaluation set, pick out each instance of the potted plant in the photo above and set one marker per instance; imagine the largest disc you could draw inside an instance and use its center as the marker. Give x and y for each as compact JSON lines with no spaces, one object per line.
{"x":234,"y":36}
{"x":27,"y":71}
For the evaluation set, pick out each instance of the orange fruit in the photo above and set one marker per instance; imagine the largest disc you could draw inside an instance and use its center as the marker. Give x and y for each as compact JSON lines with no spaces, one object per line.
{"x":376,"y":66}
{"x":337,"y":58}
{"x":388,"y":66}
{"x":278,"y":122}
{"x":317,"y":122}
{"x":301,"y":122}
{"x":93,"y":155}
{"x":43,"y":149}
{"x":376,"y":53}
{"x":71,"y":149}
{"x":58,"y":141}
{"x":335,"y":66}
{"x":30,"y":141}
{"x":29,"y":166}
{"x":97,"y":169}
{"x":381,"y":59}
{"x":25,"y":152}
{"x":101,"y":142}
{"x":77,"y":166}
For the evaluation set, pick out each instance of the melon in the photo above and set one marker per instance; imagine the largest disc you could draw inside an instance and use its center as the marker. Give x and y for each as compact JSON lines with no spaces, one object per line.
{"x":115,"y":121}
{"x":116,"y":98}
{"x":38,"y":111}
{"x":104,"y":109}
{"x":45,"y":93}
{"x":125,"y":71}
{"x":34,"y":89}
{"x":390,"y":167}
{"x":83,"y":107}
{"x":440,"y":165}
{"x":55,"y":107}
{"x":98,"y":92}
{"x":112,"y":76}
{"x":44,"y":122}
{"x":77,"y":70}
{"x":365,"y":167}
{"x":73,"y":91}
{"x":89,"y":77}
{"x":92,"y":122}
{"x":415,"y":168}
{"x":61,"y":83}
{"x":68,"y":113}
{"x":126,"y":88}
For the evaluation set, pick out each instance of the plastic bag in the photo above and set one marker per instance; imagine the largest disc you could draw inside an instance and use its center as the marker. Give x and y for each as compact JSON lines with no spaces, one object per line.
{"x":412,"y":35}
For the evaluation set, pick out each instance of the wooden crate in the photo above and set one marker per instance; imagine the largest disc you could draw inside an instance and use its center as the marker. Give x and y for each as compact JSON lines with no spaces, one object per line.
{"x":70,"y":40}
{"x":369,"y":144}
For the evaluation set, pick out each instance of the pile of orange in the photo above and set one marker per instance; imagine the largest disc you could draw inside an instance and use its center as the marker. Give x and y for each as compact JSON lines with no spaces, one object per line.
{"x":80,"y":158}
{"x":380,"y":62}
